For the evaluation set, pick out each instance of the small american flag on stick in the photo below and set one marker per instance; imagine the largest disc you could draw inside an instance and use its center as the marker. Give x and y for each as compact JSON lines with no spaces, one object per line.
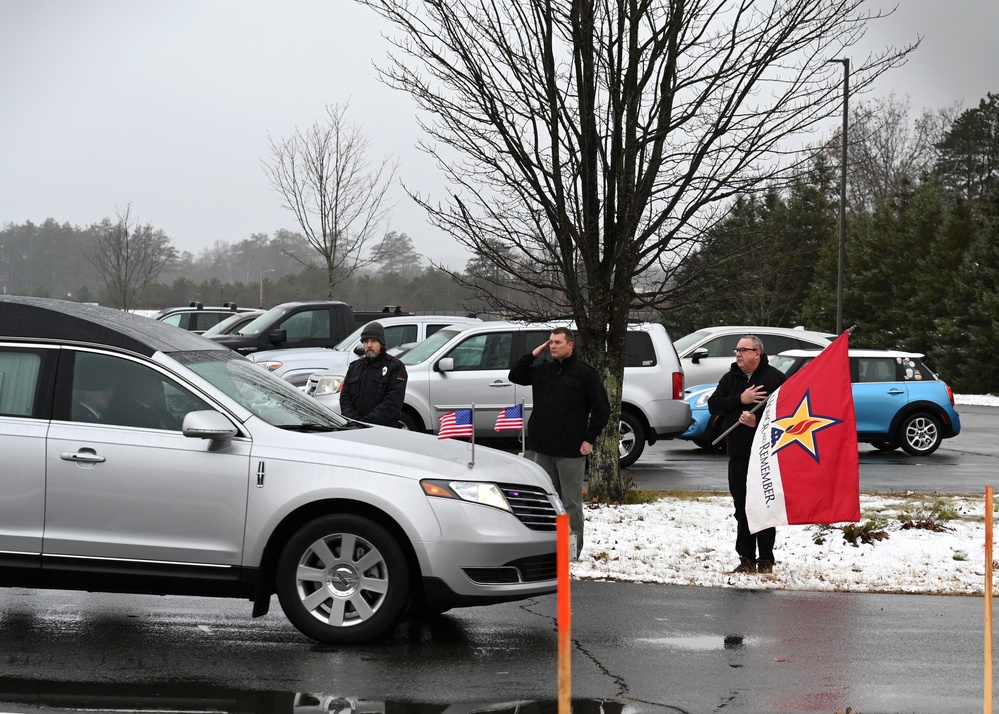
{"x":510,"y":418}
{"x":456,"y":423}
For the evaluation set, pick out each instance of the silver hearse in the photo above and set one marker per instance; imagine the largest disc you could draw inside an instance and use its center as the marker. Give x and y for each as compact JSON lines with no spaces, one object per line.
{"x":141,"y":458}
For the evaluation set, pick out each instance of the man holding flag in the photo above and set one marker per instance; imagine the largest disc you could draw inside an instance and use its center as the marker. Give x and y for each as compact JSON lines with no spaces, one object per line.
{"x":747,"y":383}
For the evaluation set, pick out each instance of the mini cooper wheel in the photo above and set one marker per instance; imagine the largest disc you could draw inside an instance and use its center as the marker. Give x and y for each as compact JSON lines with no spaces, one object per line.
{"x":632,"y":440}
{"x":342,"y":579}
{"x":920,"y":434}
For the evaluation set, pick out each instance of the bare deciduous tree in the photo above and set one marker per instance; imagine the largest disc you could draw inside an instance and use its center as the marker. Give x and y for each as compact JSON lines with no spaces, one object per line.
{"x":888,"y":152}
{"x":129,"y":257}
{"x":338,"y":197}
{"x":594,"y":138}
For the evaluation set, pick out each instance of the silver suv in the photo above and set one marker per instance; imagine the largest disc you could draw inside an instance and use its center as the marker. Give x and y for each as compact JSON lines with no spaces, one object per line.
{"x":463,"y":365}
{"x":196,"y":317}
{"x":709,"y":353}
{"x":142,"y":458}
{"x":297,"y":365}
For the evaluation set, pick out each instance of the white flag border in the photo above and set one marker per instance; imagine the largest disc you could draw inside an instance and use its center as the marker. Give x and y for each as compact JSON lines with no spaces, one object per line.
{"x":766,"y":506}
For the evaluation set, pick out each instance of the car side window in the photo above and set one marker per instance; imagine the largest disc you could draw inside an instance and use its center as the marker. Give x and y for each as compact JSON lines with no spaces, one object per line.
{"x":775,"y":344}
{"x":915,"y":371}
{"x":399,"y":334}
{"x":488,"y":351}
{"x":208,"y":319}
{"x":174,"y":319}
{"x":874,"y":369}
{"x":112,"y":390}
{"x":639,"y":350}
{"x":723,"y":346}
{"x":19,"y":375}
{"x":307,"y":324}
{"x":496,"y":354}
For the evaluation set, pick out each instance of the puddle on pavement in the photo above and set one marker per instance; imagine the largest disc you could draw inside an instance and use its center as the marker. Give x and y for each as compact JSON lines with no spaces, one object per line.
{"x":701,"y":643}
{"x":179,"y":697}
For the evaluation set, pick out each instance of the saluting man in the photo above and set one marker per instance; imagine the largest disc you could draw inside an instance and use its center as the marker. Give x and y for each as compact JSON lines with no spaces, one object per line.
{"x":375,"y":385}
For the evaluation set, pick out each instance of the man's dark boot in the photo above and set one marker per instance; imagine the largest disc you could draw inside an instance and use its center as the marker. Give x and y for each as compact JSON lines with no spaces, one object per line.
{"x":745,"y":566}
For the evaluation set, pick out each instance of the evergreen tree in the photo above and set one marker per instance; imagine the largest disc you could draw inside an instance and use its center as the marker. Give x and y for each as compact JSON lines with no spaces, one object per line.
{"x":396,"y":254}
{"x":967,"y":328}
{"x":938,"y":267}
{"x":969,"y":153}
{"x":757,"y":264}
{"x":887,"y":265}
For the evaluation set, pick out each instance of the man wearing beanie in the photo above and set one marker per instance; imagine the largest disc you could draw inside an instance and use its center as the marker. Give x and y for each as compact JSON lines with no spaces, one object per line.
{"x":375,"y":385}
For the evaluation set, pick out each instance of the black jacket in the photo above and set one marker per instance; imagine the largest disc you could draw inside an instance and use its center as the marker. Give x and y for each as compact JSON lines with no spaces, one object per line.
{"x":726,"y":401}
{"x":570,"y":404}
{"x":373,"y":390}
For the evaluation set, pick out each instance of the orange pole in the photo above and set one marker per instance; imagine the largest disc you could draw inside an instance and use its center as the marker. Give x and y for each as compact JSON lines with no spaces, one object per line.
{"x":988,"y":600}
{"x":564,"y":615}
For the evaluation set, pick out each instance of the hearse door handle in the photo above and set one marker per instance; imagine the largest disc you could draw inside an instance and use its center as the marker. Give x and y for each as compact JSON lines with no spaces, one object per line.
{"x":83,"y":456}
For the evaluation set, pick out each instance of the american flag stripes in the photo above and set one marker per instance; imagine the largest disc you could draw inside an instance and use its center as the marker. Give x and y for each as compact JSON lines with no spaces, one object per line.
{"x":510,"y":418}
{"x":456,"y":423}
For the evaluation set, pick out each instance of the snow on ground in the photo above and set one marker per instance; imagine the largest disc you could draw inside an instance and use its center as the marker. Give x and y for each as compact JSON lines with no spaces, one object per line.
{"x":976,"y":400}
{"x":690,"y":540}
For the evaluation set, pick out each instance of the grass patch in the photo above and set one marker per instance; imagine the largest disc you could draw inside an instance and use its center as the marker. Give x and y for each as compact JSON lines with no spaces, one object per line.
{"x":869,"y":531}
{"x":934,"y":510}
{"x":821,"y":533}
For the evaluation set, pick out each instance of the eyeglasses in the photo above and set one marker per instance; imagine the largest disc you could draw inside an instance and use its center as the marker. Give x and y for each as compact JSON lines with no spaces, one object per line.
{"x":740,"y":350}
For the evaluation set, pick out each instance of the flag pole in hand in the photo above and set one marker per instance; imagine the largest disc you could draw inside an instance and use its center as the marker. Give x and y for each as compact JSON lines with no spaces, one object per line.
{"x":732,"y":428}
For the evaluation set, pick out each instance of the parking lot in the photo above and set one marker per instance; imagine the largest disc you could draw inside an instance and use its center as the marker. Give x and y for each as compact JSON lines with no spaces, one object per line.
{"x":964,"y":465}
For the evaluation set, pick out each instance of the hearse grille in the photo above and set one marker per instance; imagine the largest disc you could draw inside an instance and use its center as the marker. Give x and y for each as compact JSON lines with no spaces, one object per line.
{"x":531,"y":506}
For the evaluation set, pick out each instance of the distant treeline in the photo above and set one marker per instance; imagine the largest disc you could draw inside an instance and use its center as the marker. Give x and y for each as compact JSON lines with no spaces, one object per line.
{"x":52,"y":260}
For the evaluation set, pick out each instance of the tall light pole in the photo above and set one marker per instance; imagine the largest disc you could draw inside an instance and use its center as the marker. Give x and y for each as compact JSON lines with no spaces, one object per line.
{"x":842,"y":195}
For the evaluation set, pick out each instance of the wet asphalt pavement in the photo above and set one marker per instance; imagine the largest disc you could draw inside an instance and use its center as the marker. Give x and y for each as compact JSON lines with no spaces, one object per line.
{"x":643,"y":648}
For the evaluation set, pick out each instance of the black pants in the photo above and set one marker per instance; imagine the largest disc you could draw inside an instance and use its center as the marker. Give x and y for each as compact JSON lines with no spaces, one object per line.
{"x":746,"y":543}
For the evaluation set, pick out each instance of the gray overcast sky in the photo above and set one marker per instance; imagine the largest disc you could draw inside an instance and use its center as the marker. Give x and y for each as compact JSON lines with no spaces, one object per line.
{"x":169,"y":103}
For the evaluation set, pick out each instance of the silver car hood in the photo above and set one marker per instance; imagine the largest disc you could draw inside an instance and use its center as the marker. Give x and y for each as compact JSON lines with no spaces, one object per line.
{"x":411,"y":455}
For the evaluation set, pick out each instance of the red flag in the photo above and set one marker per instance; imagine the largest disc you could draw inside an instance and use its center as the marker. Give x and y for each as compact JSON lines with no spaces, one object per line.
{"x":510,"y":418}
{"x":805,"y":467}
{"x":456,"y":423}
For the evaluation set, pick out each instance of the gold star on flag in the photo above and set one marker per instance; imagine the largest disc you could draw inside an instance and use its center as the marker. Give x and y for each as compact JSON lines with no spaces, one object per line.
{"x":800,"y":428}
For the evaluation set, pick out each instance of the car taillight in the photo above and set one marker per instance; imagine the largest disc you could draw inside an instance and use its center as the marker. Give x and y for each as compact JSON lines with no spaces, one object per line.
{"x":950,"y":393}
{"x":678,"y":385}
